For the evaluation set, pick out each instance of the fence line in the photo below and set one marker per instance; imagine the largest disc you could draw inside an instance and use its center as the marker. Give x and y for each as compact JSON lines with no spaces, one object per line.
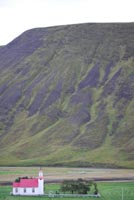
{"x":71,"y":195}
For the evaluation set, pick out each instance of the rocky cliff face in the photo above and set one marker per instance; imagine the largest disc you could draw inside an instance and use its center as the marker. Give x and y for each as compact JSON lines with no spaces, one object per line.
{"x":67,"y":96}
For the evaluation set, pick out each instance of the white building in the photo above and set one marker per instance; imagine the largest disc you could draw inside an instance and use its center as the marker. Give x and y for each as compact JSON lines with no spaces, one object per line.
{"x":29,"y":186}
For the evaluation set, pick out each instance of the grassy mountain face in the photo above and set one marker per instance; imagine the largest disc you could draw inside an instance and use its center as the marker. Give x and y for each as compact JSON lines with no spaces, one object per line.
{"x":67,"y":96}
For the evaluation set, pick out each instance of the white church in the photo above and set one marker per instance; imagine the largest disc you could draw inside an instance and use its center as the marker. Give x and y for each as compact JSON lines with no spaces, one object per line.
{"x":29,"y":186}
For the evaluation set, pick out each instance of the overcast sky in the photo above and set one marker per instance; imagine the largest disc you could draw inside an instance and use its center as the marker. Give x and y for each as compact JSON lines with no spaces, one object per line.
{"x":16,"y":16}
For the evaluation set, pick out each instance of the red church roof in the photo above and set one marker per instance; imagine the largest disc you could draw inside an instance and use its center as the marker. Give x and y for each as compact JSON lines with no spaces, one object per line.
{"x":16,"y":184}
{"x":24,"y":183}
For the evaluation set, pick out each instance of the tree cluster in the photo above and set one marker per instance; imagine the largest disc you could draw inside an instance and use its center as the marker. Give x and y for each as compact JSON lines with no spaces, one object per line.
{"x":19,"y":178}
{"x":79,"y":186}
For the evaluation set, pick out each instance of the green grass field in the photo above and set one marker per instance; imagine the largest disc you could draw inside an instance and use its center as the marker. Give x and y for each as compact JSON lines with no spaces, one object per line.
{"x":108,"y":191}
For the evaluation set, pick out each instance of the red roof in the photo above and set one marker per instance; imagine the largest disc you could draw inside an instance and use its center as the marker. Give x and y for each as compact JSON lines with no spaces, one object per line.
{"x":26,"y":183}
{"x":16,"y":184}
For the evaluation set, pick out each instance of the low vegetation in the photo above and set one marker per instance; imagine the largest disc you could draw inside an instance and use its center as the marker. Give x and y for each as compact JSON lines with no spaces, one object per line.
{"x":108,"y":191}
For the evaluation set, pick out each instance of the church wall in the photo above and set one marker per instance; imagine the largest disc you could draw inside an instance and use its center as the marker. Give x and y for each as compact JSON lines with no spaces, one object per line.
{"x":26,"y":191}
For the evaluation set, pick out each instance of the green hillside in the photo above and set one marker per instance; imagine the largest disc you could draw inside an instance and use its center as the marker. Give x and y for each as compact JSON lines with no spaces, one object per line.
{"x":67,"y":96}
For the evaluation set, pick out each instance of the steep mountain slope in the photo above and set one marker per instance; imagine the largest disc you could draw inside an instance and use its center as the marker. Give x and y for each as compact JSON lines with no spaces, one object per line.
{"x":67,"y":96}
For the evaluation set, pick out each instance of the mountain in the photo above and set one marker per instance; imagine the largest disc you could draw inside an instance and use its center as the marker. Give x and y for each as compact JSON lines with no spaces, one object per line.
{"x":67,"y":96}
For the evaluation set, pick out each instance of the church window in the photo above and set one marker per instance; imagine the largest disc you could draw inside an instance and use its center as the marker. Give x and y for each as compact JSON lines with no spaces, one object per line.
{"x":16,"y":190}
{"x":33,"y":190}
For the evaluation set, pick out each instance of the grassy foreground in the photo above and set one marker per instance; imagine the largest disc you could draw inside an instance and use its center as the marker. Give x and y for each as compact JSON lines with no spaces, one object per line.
{"x":108,"y":191}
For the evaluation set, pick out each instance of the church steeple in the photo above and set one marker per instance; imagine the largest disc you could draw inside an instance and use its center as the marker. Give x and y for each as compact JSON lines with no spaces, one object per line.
{"x":41,"y":174}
